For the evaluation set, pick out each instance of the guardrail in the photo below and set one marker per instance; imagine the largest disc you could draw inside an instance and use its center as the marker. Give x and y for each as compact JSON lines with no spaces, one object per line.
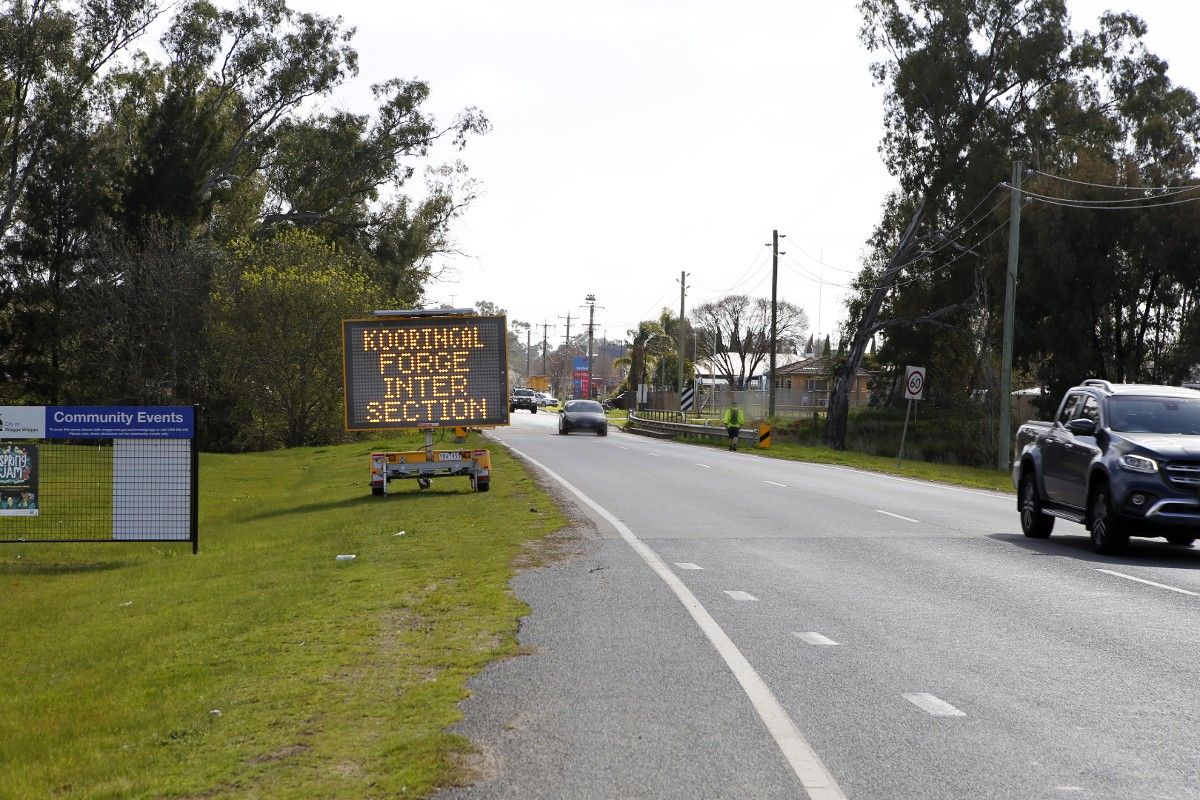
{"x":660,"y":422}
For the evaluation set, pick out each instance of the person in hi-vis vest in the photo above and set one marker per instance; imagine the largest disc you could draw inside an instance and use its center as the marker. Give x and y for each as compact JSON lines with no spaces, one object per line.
{"x":734,"y":419}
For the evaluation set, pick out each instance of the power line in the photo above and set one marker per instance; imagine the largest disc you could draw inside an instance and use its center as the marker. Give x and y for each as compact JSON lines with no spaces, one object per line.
{"x":746,"y":274}
{"x":1098,"y":206}
{"x":800,"y":270}
{"x":1107,"y":185}
{"x":1136,"y":202}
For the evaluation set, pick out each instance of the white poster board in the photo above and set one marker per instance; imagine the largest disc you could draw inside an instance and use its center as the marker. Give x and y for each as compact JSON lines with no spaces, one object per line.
{"x":152,"y":487}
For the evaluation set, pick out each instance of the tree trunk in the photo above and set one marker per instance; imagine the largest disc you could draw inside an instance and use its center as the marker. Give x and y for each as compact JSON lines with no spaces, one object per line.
{"x":843,"y":377}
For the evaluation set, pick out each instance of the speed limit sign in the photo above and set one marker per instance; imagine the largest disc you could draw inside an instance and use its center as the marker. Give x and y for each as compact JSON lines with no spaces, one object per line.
{"x":914,"y":383}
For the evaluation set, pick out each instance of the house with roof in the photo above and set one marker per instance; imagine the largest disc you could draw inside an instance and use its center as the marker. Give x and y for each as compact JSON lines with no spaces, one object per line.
{"x":809,"y":380}
{"x":710,"y":371}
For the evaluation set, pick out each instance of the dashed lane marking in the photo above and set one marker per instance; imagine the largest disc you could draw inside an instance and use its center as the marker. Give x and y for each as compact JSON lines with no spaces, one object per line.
{"x":932,"y":705}
{"x":706,"y":466}
{"x":780,"y":485}
{"x":817,"y":780}
{"x":897,"y":516}
{"x":812,"y":637}
{"x":1148,"y":583}
{"x":687,"y":565}
{"x":741,"y":597}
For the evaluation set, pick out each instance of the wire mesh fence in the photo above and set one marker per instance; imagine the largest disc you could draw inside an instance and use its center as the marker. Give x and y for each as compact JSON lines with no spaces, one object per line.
{"x":111,"y":489}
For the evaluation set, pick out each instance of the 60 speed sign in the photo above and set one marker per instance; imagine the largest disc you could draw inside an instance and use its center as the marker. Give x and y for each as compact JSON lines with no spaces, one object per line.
{"x":914,"y":383}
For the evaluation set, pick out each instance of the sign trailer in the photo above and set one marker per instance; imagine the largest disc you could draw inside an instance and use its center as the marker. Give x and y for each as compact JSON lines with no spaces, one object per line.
{"x":426,"y":370}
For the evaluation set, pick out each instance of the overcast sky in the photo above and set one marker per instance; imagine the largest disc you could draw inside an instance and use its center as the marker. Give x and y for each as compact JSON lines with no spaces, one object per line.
{"x":635,"y":139}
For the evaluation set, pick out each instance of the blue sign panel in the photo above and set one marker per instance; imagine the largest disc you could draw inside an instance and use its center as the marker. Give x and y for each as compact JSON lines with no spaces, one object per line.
{"x":120,"y":422}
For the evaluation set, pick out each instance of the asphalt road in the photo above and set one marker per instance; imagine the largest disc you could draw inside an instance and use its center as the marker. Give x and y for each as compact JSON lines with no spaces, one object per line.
{"x":915,"y":644}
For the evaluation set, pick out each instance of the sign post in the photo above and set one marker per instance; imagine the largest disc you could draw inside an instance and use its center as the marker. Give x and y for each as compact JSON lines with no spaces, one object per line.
{"x":914,"y":389}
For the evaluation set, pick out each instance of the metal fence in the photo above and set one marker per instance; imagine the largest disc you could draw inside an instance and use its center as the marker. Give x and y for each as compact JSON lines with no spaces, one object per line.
{"x":789,"y":403}
{"x":141,"y":488}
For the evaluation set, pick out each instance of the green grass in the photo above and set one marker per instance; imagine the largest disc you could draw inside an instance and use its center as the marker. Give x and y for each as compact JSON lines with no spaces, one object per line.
{"x":332,"y":679}
{"x":976,"y":477}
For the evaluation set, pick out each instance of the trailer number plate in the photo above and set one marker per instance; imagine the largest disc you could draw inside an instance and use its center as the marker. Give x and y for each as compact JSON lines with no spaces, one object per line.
{"x":449,"y":456}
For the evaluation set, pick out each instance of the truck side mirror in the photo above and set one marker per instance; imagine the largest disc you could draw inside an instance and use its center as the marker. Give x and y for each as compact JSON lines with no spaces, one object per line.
{"x":1082,"y":427}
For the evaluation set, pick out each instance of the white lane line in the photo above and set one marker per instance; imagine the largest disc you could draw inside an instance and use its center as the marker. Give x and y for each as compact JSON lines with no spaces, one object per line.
{"x":780,"y":485}
{"x":623,"y":447}
{"x":816,"y":779}
{"x":928,"y":484}
{"x":812,"y":637}
{"x":687,"y":565}
{"x":741,"y":597}
{"x":1148,"y":583}
{"x":656,"y":455}
{"x":935,"y":706}
{"x":706,"y":466}
{"x":897,"y":516}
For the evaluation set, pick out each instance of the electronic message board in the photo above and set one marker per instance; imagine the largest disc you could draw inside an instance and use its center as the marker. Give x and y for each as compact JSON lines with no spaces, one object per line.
{"x":420,"y":372}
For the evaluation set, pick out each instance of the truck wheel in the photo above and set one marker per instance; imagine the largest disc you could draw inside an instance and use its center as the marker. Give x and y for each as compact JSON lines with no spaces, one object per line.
{"x":376,"y":490}
{"x":1181,"y":540}
{"x":534,"y":409}
{"x":1109,"y":536}
{"x":1034,"y":523}
{"x":482,"y":486}
{"x":424,"y":483}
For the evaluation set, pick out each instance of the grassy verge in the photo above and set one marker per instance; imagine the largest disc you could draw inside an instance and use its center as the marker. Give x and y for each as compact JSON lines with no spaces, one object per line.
{"x":263,"y":666}
{"x":942,"y":473}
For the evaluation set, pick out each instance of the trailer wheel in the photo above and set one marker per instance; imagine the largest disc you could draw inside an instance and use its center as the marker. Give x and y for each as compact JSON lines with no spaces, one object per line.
{"x":482,"y":485}
{"x":376,"y":490}
{"x":424,"y":483}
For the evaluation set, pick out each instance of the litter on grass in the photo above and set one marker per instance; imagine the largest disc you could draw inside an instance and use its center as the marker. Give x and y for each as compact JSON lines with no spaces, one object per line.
{"x":346,"y":556}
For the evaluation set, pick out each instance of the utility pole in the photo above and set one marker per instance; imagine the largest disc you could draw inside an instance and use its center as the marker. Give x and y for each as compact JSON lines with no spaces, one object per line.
{"x":682,"y":294}
{"x":567,"y":348}
{"x":591,"y":304}
{"x":1010,"y":302}
{"x":528,"y":328}
{"x":545,"y":331}
{"x":604,"y":360}
{"x":774,"y":286}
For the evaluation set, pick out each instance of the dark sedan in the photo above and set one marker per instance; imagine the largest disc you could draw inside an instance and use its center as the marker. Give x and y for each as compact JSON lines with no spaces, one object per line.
{"x":583,"y":415}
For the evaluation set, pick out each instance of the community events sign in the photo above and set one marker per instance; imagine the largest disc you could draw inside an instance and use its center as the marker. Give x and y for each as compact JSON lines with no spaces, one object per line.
{"x":417,"y":372}
{"x":97,"y":422}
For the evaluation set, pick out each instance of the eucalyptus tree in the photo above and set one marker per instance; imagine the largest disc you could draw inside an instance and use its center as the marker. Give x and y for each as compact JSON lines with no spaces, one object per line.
{"x":962,"y":82}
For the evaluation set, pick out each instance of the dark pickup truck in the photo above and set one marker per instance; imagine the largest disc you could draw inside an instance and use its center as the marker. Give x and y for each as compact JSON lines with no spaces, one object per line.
{"x":523,"y":398}
{"x":1122,"y":459}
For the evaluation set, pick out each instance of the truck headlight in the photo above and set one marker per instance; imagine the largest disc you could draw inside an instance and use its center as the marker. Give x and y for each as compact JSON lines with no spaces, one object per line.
{"x":1139,"y":464}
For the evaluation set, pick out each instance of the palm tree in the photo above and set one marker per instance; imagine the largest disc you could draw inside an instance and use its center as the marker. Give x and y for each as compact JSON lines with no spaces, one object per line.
{"x":649,"y":343}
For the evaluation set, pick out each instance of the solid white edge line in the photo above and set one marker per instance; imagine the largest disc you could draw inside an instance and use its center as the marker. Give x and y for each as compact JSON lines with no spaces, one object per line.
{"x":1148,"y":583}
{"x":816,"y":779}
{"x":933,"y":705}
{"x":897,"y":516}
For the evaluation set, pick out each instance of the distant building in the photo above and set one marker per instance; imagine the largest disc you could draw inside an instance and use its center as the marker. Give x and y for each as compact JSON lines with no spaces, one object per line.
{"x":710,"y":371}
{"x":811,"y":378}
